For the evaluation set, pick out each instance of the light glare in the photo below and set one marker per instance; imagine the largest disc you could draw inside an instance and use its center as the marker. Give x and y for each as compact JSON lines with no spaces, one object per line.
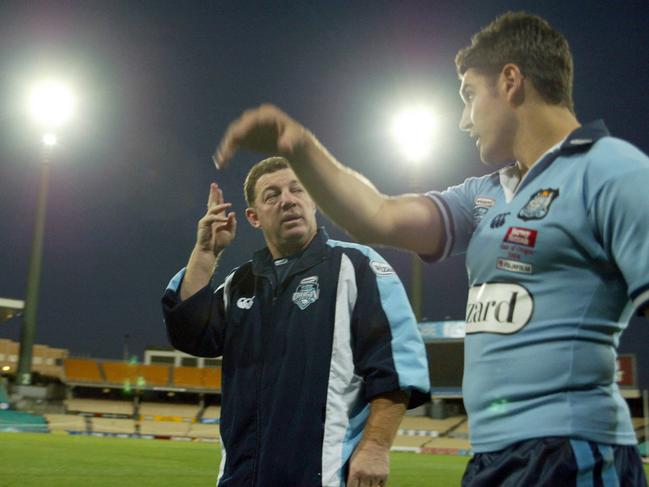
{"x":51,"y":103}
{"x":413,"y":130}
{"x":50,"y":140}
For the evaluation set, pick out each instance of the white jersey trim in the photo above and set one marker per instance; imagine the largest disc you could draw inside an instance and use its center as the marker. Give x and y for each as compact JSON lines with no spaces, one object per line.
{"x":641,"y":299}
{"x":344,"y":387}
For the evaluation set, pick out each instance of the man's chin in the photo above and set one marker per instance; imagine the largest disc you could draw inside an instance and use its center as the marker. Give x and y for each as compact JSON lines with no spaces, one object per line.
{"x":493,"y":159}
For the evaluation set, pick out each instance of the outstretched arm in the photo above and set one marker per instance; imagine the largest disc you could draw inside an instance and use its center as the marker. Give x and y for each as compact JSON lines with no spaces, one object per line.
{"x":410,"y":222}
{"x":370,"y":463}
{"x":215,"y":232}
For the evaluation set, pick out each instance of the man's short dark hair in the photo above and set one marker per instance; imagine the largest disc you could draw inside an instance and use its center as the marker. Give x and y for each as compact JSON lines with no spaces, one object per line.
{"x":528,"y":41}
{"x":272,"y":164}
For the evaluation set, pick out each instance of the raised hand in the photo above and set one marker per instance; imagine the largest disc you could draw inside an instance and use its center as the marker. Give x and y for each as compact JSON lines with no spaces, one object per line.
{"x":265,"y":129}
{"x":216,"y":229}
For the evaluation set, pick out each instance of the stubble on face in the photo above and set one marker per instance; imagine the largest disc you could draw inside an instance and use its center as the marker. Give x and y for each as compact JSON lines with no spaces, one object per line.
{"x":487,"y":116}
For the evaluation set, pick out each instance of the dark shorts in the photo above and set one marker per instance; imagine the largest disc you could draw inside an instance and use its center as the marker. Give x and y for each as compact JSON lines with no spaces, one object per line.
{"x":557,"y":462}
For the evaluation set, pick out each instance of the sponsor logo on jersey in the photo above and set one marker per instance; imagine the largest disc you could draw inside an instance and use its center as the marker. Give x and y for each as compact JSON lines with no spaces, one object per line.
{"x":481,"y":205}
{"x":496,"y":307}
{"x":381,"y":268}
{"x":307,"y":292}
{"x":539,"y":204}
{"x":484,"y":201}
{"x":513,"y":266}
{"x":245,"y":303}
{"x":521,"y":236}
{"x":498,"y":220}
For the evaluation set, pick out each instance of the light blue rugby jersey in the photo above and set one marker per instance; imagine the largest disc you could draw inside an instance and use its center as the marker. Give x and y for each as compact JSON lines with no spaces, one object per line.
{"x":556,"y":269}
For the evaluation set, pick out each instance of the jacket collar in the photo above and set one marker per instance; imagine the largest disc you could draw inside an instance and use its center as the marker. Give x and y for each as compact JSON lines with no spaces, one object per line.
{"x":315,"y":252}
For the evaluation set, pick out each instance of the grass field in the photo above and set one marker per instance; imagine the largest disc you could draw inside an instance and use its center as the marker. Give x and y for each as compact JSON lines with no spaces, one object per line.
{"x":59,"y":460}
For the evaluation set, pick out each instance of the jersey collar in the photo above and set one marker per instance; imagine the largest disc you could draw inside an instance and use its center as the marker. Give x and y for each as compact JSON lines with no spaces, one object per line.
{"x":580,"y":140}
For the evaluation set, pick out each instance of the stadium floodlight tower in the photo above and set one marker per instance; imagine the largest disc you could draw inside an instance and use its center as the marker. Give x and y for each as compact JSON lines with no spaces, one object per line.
{"x":51,"y":105}
{"x":413,"y":130}
{"x":10,"y":308}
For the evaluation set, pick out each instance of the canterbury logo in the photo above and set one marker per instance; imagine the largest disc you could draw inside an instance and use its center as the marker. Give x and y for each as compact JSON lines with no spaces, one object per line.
{"x":245,"y":303}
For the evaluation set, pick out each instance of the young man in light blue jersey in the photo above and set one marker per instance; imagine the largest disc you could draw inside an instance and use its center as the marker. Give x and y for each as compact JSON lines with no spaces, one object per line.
{"x":557,"y":246}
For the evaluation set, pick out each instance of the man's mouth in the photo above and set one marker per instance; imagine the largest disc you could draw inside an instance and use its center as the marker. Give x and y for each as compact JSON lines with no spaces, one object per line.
{"x":291,"y":218}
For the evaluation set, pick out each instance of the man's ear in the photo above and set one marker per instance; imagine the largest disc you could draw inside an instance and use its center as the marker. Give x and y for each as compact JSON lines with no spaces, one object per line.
{"x":251,"y":216}
{"x":514,"y":83}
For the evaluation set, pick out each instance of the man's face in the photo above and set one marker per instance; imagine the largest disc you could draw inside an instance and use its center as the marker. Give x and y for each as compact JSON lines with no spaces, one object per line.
{"x":284,"y":211}
{"x":488,"y":116}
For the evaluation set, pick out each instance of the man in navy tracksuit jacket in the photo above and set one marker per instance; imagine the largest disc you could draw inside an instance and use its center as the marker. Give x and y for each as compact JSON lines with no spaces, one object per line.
{"x":321,"y":354}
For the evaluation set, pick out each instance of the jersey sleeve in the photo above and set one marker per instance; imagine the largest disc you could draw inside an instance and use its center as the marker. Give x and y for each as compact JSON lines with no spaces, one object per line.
{"x":197,"y":325}
{"x":617,"y":199}
{"x":456,"y":206}
{"x":388,"y":350}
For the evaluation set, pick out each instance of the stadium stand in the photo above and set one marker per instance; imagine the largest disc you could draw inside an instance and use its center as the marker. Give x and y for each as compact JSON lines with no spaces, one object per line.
{"x":189,"y":411}
{"x":212,"y":412}
{"x":113,"y":425}
{"x":120,"y":372}
{"x":65,"y":422}
{"x":212,"y":378}
{"x":165,"y":428}
{"x":190,"y":377}
{"x":98,"y":406}
{"x":82,"y":370}
{"x":204,"y":431}
{"x":154,"y":375}
{"x":423,"y":423}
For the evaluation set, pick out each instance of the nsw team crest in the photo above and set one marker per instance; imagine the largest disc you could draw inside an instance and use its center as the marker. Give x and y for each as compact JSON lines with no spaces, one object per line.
{"x":307,"y":292}
{"x":539,"y":204}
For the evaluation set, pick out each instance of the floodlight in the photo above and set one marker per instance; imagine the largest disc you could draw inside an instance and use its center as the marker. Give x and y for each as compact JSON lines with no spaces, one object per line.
{"x":413,"y":131}
{"x":51,"y":103}
{"x":50,"y":140}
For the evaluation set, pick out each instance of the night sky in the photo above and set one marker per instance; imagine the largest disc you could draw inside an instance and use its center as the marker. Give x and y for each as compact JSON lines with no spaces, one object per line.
{"x":158,"y":82}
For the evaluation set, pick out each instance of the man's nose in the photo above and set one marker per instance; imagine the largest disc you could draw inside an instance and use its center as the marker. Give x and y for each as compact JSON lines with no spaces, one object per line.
{"x":465,"y":121}
{"x":288,"y":199}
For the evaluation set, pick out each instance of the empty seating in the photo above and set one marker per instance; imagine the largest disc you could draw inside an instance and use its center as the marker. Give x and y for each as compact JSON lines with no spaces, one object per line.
{"x":165,"y":428}
{"x":188,"y":377}
{"x":82,"y":370}
{"x":111,"y":425}
{"x":154,"y":375}
{"x":65,"y":422}
{"x":120,"y":372}
{"x":206,"y":431}
{"x":98,"y":406}
{"x":168,"y":409}
{"x":212,"y":412}
{"x":212,"y":378}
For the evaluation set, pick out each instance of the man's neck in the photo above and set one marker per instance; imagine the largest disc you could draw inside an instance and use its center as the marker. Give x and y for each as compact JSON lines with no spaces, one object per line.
{"x":287,"y":249}
{"x":541,"y":128}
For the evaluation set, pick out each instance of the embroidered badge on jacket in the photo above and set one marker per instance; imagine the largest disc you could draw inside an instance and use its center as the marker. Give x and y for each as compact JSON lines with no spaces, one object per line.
{"x":307,"y":292}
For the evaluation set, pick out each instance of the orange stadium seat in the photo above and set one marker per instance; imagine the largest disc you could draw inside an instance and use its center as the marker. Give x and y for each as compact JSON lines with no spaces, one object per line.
{"x":156,"y":375}
{"x":212,"y":378}
{"x":120,"y":372}
{"x":188,"y":377}
{"x":82,"y":370}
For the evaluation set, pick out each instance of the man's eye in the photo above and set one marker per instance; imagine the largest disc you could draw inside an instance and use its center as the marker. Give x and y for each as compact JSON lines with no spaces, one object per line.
{"x":270,"y":198}
{"x":298,"y":190}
